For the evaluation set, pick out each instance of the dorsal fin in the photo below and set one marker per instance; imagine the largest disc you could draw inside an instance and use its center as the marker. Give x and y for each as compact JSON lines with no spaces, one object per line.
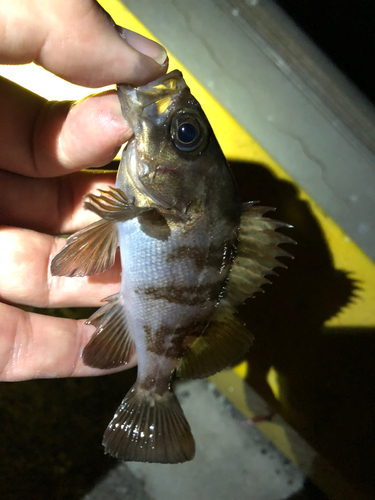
{"x":226,"y":339}
{"x":257,"y":253}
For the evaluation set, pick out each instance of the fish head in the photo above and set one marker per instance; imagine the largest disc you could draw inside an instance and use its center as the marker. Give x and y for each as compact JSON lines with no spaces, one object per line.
{"x":174,"y":153}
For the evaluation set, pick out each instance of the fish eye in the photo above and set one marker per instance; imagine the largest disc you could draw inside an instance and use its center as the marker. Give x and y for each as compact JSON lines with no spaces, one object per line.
{"x":186,"y":133}
{"x":189,"y":131}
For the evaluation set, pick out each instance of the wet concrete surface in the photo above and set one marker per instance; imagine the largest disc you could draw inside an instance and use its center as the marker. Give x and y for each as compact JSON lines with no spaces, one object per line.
{"x":51,"y":447}
{"x":233,"y":459}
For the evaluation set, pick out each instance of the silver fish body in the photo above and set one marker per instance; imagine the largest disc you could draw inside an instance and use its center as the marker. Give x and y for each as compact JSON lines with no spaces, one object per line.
{"x":171,"y":289}
{"x":190,"y":253}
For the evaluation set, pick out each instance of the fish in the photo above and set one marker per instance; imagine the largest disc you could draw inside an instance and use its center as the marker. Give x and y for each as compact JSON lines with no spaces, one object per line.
{"x":191,"y":252}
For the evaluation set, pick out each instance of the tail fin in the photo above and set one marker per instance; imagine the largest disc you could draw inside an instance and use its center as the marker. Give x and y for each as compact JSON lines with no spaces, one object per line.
{"x":149,"y":428}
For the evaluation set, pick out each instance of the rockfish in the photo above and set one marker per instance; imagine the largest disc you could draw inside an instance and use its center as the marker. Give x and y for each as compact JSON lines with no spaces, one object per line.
{"x":191,"y":252}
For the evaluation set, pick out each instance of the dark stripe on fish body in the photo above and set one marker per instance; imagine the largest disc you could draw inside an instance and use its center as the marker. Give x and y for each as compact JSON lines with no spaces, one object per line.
{"x":197,"y":255}
{"x":221,"y":257}
{"x":217,"y":257}
{"x":172,"y":342}
{"x":184,"y":294}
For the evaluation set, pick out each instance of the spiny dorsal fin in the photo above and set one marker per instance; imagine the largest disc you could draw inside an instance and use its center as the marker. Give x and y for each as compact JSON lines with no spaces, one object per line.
{"x":111,"y":344}
{"x":224,"y":342}
{"x":257,"y":253}
{"x":149,"y":427}
{"x":226,"y":339}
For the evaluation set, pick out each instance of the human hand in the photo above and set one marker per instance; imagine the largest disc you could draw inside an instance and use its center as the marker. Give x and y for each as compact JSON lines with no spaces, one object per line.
{"x":44,"y":145}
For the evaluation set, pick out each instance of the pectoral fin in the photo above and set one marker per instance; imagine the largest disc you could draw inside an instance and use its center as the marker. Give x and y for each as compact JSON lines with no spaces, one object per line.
{"x":93,"y":249}
{"x":113,"y":205}
{"x":226,"y":339}
{"x":111,"y":344}
{"x":87,"y":252}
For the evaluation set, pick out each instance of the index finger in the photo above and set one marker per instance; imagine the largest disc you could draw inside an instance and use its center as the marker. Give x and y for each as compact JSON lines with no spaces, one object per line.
{"x":48,"y":138}
{"x":37,"y":346}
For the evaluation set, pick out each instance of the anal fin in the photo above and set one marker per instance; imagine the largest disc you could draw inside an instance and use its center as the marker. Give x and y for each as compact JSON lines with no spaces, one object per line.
{"x":111,"y":344}
{"x":149,"y":427}
{"x":225,"y":341}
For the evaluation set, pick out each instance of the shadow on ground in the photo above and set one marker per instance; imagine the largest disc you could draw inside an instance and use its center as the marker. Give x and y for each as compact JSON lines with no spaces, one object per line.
{"x":326,"y":375}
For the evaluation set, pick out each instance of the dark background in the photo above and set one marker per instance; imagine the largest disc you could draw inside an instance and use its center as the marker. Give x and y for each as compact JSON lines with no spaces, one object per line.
{"x":345,"y":31}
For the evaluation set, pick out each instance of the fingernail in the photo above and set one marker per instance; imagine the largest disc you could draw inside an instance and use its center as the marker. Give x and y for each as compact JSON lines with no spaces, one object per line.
{"x":144,"y":45}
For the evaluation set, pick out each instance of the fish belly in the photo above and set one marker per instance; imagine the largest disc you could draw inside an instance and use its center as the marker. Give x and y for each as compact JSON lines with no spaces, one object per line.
{"x":168,"y":300}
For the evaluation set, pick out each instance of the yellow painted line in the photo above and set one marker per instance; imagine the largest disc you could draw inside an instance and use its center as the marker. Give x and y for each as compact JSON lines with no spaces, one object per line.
{"x":282,"y":435}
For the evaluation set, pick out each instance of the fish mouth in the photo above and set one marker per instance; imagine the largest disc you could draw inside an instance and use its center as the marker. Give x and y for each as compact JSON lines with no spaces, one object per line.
{"x":144,"y":108}
{"x":153,"y":100}
{"x":165,"y":85}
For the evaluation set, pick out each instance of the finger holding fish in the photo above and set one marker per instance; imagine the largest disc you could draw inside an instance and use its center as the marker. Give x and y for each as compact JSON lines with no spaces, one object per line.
{"x":53,"y":205}
{"x":78,"y":41}
{"x":54,"y":138}
{"x":26,"y":279}
{"x":37,"y":346}
{"x":44,"y":139}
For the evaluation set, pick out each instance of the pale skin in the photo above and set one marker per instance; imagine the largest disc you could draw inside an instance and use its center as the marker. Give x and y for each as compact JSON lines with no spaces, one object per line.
{"x":44,"y":147}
